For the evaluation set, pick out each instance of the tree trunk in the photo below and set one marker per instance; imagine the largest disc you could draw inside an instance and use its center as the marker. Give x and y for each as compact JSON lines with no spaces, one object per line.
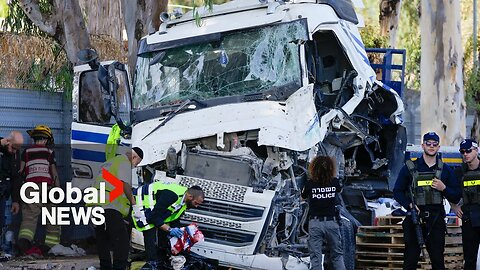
{"x":67,"y":25}
{"x":75,"y":35}
{"x":141,"y":18}
{"x":442,"y":98}
{"x":104,"y":18}
{"x":389,"y":17}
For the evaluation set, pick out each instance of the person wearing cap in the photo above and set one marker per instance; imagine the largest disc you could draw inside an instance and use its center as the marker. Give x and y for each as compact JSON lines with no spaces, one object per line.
{"x":469,"y":207}
{"x":38,"y":165}
{"x":114,"y":234}
{"x":430,"y":181}
{"x":157,"y":213}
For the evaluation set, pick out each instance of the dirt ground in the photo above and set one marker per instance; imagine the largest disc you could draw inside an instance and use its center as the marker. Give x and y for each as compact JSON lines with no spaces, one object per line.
{"x":63,"y":263}
{"x":89,"y":262}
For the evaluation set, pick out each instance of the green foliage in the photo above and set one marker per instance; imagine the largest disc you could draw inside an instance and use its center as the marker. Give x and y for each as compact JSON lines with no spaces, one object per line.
{"x":43,"y":74}
{"x":409,"y":38}
{"x":198,"y":19}
{"x":472,"y":88}
{"x":408,"y":35}
{"x":371,"y":38}
{"x":17,"y":21}
{"x":3,"y":9}
{"x":43,"y":77}
{"x":192,"y":3}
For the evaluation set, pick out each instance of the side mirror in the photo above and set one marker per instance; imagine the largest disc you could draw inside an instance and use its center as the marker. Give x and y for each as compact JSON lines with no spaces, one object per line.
{"x":90,"y":57}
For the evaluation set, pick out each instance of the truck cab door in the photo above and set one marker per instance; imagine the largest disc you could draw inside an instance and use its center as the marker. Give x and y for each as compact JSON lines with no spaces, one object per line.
{"x":101,"y":99}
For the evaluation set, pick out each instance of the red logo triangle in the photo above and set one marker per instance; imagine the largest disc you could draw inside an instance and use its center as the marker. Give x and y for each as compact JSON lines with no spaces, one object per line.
{"x":116,"y":183}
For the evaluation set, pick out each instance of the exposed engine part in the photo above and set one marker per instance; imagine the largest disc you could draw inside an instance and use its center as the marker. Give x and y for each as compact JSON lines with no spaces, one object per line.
{"x":240,"y":166}
{"x":171,"y":162}
{"x":276,"y":160}
{"x":379,"y":163}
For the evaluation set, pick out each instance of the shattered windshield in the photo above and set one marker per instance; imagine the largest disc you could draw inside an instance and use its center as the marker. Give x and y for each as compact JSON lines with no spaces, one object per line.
{"x":239,"y":63}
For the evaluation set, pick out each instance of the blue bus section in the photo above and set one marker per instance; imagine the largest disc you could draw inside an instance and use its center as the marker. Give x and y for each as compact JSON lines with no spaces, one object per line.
{"x":87,"y":136}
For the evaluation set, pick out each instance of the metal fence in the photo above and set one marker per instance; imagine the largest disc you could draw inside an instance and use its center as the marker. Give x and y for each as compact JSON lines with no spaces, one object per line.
{"x":24,"y":109}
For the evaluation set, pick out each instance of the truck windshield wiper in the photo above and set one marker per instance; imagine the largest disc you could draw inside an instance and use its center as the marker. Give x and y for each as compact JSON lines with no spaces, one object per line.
{"x":172,"y":114}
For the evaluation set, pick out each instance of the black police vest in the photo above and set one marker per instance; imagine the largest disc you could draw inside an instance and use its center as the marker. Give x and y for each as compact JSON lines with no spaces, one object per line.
{"x":471,"y":187}
{"x":422,"y":184}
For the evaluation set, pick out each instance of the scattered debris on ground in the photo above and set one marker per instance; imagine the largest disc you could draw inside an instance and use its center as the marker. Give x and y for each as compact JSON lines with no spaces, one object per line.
{"x":48,"y":263}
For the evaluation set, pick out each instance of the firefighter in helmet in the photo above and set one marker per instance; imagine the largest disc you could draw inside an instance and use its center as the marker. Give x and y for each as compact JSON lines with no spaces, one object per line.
{"x":38,"y":165}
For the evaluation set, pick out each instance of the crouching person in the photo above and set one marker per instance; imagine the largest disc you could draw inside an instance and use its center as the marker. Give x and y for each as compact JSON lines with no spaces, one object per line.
{"x":156,"y":214}
{"x":321,"y":191}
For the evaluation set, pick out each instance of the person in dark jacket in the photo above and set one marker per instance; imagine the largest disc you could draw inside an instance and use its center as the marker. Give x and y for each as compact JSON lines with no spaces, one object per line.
{"x":431,"y":181}
{"x":469,"y":207}
{"x":321,"y":191}
{"x":10,"y":180}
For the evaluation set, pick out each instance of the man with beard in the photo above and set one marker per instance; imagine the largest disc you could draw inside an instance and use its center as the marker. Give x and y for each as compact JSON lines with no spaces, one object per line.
{"x":156,"y":214}
{"x":430,"y":181}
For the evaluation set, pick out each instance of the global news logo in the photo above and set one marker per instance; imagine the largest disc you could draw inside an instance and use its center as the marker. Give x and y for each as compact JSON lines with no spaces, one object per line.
{"x":42,"y":194}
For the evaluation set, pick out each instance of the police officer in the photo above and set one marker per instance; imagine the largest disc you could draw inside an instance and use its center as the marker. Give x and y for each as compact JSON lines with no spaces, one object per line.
{"x":321,"y":191}
{"x":469,"y":208}
{"x":156,"y":214}
{"x":430,"y":180}
{"x":114,"y":233}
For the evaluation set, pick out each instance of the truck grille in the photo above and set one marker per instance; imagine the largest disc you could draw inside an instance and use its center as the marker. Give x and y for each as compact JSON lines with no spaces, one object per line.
{"x":216,"y":190}
{"x":225,"y":236}
{"x":212,"y":221}
{"x":230,"y":211}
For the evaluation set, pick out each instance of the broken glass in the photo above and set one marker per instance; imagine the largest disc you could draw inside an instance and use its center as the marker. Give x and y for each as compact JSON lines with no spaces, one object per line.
{"x":241,"y":62}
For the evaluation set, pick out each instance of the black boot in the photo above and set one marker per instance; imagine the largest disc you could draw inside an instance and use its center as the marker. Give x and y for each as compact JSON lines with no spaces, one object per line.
{"x":23,"y":245}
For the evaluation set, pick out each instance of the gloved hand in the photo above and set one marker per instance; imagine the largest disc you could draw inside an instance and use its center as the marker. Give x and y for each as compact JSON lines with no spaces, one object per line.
{"x":176,"y":232}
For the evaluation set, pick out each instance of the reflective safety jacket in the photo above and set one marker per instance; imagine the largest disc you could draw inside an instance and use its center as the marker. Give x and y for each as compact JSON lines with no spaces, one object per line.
{"x":112,"y":142}
{"x":121,"y":203}
{"x":145,"y":201}
{"x":471,"y":186}
{"x":422,"y":181}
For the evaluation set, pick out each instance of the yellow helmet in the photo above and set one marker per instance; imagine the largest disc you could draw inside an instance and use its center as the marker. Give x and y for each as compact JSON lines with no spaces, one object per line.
{"x":41,"y":131}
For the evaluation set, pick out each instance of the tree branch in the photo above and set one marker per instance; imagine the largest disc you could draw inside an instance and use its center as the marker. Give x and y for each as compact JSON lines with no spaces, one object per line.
{"x":46,"y":23}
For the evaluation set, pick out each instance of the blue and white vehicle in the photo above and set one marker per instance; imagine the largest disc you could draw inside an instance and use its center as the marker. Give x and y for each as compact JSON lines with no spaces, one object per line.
{"x":239,"y":106}
{"x":95,"y":110}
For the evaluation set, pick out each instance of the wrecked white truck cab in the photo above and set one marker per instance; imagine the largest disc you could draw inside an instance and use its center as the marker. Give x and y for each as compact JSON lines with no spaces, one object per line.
{"x":239,"y":106}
